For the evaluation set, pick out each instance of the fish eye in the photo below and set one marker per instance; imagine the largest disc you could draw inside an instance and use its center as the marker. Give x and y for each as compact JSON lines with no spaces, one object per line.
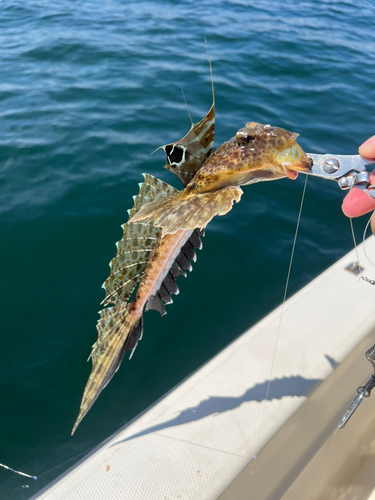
{"x":244,"y":138}
{"x":249,"y":138}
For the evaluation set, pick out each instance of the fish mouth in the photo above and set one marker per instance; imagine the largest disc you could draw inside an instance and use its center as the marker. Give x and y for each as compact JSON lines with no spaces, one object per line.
{"x":291,"y":174}
{"x":291,"y":171}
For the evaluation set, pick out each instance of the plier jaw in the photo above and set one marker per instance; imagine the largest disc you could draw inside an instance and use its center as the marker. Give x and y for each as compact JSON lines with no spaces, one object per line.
{"x":346,"y":170}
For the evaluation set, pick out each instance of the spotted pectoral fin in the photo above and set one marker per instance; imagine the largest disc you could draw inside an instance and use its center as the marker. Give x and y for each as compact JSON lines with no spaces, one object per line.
{"x":151,"y":189}
{"x":188,"y":211}
{"x":186,"y":156}
{"x":135,"y":248}
{"x":127,"y":267}
{"x":118,"y":332}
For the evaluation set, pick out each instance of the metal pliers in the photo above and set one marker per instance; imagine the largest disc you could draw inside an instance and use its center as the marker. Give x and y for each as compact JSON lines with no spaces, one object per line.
{"x":346,"y":170}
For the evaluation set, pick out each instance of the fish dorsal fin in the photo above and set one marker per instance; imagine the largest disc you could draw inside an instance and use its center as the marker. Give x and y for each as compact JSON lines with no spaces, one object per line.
{"x":186,"y":156}
{"x":136,"y":246}
{"x":181,"y":263}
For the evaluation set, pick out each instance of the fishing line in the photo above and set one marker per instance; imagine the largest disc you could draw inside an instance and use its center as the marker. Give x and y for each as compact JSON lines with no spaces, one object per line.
{"x":63,"y":464}
{"x":329,"y":449}
{"x":212,"y":78}
{"x":364,"y":278}
{"x":75,"y":458}
{"x":355,"y":248}
{"x":58,"y":466}
{"x":187,"y":107}
{"x":285,"y":290}
{"x":361,"y":277}
{"x":333,"y":440}
{"x":364,"y":239}
{"x":282,"y":310}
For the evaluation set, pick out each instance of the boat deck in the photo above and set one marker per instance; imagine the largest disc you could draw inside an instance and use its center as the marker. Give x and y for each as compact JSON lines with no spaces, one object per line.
{"x":198,"y":438}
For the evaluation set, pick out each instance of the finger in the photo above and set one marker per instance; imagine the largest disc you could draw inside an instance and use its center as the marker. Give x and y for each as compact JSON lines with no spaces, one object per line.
{"x":357,"y":203}
{"x":373,"y":224}
{"x":368,"y":148}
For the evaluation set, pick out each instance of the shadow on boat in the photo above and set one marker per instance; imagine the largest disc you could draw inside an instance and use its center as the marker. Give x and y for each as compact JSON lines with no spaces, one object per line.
{"x":296,"y":386}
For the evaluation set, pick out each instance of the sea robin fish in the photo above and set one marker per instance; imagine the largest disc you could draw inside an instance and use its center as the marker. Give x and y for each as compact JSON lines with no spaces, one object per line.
{"x":166,"y":225}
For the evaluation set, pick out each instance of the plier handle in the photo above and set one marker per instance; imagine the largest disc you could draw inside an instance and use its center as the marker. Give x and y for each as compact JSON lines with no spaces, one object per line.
{"x":347,"y":170}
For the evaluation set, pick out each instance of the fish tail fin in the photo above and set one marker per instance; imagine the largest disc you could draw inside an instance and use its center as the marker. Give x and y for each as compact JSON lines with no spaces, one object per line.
{"x":185,"y":210}
{"x":118,"y":331}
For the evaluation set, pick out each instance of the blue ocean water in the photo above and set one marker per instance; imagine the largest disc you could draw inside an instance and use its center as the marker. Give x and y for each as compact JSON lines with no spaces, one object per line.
{"x":87,"y":91}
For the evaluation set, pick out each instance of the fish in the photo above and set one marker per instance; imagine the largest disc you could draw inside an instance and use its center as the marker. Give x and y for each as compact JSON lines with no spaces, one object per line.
{"x":166,"y":226}
{"x":147,"y":260}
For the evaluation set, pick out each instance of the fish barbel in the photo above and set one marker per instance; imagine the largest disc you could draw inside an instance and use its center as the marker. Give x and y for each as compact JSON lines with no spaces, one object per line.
{"x":166,"y":225}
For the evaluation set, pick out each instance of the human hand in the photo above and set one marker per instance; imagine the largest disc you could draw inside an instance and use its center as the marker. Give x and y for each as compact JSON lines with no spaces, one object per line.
{"x":357,"y":202}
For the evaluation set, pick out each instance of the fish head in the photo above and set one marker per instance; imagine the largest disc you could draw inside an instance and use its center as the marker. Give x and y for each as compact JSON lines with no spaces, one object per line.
{"x":273,"y":149}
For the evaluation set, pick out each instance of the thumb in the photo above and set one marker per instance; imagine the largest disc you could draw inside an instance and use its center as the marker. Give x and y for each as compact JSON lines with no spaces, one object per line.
{"x":367,"y":149}
{"x":358,"y":202}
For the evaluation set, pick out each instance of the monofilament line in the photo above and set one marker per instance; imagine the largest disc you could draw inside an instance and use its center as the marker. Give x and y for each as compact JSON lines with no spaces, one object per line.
{"x":212,"y":78}
{"x":187,"y":107}
{"x":355,"y":247}
{"x":282,"y":308}
{"x":364,"y":238}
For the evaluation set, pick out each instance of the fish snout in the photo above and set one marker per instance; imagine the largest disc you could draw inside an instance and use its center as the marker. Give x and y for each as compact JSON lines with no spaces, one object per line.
{"x":293,"y":160}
